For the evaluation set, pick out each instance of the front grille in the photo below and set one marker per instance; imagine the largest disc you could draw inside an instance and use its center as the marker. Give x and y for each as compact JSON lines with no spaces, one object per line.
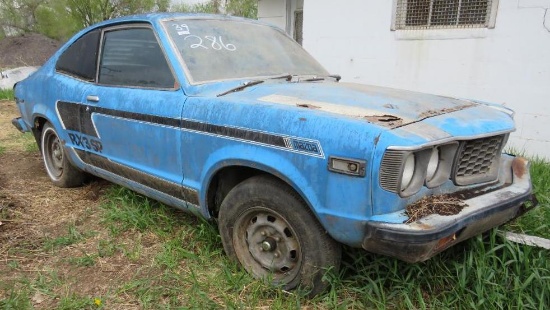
{"x":477,"y":160}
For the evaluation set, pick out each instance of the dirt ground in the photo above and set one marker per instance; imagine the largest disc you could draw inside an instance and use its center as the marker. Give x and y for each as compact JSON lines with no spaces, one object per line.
{"x":33,"y":211}
{"x":27,"y":50}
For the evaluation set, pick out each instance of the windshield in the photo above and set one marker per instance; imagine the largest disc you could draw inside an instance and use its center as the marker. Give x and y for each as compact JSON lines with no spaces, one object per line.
{"x":221,"y":49}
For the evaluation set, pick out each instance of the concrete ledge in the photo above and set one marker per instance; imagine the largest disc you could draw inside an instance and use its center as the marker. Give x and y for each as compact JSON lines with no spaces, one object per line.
{"x":527,"y":240}
{"x":8,"y":78}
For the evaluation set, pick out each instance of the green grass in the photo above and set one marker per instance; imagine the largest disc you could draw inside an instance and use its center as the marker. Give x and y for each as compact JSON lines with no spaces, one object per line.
{"x":6,"y":94}
{"x":537,"y":221}
{"x":29,"y":142}
{"x":484,"y":272}
{"x":126,"y":210}
{"x":73,"y":236}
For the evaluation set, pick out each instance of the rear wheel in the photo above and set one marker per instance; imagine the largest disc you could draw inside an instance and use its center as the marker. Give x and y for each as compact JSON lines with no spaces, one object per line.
{"x":267,"y":228}
{"x":60,"y":170}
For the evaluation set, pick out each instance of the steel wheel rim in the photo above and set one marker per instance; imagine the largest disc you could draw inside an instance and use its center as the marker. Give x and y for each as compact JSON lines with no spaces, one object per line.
{"x":267,"y":245}
{"x":53,"y":154}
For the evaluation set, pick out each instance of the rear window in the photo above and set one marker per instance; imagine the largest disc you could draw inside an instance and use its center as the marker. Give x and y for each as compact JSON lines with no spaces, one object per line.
{"x":80,"y":59}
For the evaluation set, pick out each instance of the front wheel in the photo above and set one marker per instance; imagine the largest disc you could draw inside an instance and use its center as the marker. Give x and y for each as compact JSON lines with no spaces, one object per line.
{"x":60,"y":170}
{"x":267,"y":227}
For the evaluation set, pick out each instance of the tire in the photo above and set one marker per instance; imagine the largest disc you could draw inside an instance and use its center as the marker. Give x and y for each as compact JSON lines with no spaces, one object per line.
{"x":59,"y":168}
{"x":268,"y":229}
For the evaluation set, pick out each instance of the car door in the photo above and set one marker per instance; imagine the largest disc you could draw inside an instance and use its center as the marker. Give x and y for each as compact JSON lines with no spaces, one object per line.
{"x":134,"y":110}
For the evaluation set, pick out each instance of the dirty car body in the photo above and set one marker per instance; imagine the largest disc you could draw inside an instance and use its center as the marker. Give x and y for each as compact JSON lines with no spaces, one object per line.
{"x":207,"y":113}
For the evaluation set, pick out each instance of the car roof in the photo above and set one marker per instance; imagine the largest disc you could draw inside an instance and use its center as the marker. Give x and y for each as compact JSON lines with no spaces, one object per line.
{"x":156,"y":17}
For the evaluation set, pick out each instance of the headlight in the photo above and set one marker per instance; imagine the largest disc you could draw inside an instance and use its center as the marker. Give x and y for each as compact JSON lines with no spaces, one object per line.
{"x":413,"y":172}
{"x":433,"y":164}
{"x":408,"y":172}
{"x":405,"y":171}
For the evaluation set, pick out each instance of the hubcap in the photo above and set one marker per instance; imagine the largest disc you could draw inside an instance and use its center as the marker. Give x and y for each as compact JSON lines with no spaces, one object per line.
{"x":53,"y":156}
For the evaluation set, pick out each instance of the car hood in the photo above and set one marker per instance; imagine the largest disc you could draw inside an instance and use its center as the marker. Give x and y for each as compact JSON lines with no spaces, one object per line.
{"x":383,"y":106}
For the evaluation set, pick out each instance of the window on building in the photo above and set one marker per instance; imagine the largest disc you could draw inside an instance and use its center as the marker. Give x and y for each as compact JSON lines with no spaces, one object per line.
{"x":133,"y":57}
{"x":298,"y":26}
{"x":435,"y":14}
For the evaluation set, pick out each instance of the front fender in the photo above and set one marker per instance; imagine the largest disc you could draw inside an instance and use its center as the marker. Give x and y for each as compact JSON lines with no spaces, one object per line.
{"x":269,"y":160}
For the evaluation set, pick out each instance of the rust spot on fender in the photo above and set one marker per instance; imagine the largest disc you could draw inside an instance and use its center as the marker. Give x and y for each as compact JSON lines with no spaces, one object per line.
{"x":392,"y":121}
{"x":431,"y":113}
{"x":307,"y":106}
{"x":519,"y":166}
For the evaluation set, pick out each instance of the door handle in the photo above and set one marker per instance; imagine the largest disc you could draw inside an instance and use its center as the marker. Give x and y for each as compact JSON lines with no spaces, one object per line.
{"x":92,"y":98}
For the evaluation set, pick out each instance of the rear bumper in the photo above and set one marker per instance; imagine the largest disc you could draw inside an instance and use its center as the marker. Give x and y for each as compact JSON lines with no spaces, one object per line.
{"x":420,"y":240}
{"x":20,"y":124}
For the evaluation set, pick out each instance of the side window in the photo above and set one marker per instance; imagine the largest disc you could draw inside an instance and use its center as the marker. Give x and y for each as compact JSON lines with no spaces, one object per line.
{"x":80,"y":59}
{"x":133,"y":57}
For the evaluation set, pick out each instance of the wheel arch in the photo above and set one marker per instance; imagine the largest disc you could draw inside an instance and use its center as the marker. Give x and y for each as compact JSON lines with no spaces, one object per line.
{"x":38,"y":122}
{"x":232,"y":173}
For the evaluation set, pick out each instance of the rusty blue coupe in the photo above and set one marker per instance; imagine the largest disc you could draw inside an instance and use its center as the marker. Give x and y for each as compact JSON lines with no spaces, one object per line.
{"x":231,"y":120}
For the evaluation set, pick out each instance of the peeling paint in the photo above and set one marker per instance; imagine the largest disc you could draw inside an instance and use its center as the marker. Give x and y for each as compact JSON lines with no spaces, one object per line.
{"x":431,"y":113}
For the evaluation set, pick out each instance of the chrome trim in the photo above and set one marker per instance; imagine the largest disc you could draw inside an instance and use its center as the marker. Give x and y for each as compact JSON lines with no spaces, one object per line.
{"x":137,"y":25}
{"x":361,"y":166}
{"x":447,"y":140}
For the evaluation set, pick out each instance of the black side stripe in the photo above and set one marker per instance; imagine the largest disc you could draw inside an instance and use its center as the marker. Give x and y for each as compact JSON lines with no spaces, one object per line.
{"x":172,"y":189}
{"x":71,"y":113}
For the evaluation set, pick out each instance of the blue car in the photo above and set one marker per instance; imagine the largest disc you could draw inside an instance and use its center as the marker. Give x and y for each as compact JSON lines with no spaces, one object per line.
{"x":232,"y":120}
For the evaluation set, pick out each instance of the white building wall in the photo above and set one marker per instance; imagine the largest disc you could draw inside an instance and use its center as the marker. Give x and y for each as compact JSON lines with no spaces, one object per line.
{"x":509,"y":64}
{"x":274,"y":12}
{"x":279,"y":13}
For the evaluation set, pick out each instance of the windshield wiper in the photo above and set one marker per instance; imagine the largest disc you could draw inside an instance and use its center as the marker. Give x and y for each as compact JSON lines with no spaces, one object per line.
{"x":313,"y":79}
{"x":321,"y":78}
{"x":241,"y":87}
{"x":287,"y":77}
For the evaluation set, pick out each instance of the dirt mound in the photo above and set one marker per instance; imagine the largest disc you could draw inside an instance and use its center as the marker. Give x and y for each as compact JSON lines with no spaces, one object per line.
{"x":26,"y":50}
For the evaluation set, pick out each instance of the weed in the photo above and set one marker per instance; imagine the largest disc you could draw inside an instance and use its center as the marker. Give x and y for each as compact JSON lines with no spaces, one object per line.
{"x":46,"y":282}
{"x":18,"y":298}
{"x":173,"y":252}
{"x":133,"y":253}
{"x":73,"y":236}
{"x":13,"y":264}
{"x":83,"y":261}
{"x":73,"y":301}
{"x":27,"y":141}
{"x":106,"y":248}
{"x":6,"y":94}
{"x":30,"y":143}
{"x":125,"y":210}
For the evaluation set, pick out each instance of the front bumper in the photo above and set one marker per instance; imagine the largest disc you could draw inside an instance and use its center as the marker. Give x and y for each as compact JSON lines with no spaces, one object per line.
{"x":420,"y":240}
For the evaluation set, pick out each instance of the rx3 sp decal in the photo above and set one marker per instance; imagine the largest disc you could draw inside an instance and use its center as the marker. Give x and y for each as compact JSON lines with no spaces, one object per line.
{"x":86,"y":143}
